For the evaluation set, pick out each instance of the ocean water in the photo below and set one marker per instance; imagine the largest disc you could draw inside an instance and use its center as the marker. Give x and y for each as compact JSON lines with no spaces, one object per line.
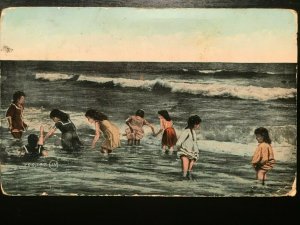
{"x":231,"y":99}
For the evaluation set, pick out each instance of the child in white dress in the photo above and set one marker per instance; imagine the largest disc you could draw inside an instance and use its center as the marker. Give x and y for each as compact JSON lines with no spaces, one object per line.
{"x":188,"y":150}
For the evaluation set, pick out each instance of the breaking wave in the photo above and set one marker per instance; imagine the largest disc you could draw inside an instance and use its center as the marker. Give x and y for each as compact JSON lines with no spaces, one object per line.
{"x":180,"y":86}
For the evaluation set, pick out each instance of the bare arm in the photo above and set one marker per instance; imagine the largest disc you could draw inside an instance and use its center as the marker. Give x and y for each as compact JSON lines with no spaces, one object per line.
{"x":256,"y":157}
{"x":152,"y":128}
{"x":128,"y":124}
{"x":50,"y":133}
{"x":149,"y":125}
{"x":97,"y":135}
{"x":41,"y":141}
{"x":160,"y":130}
{"x":41,"y":137}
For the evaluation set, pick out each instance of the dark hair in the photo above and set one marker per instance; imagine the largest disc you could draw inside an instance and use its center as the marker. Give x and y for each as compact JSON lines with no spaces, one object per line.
{"x":17,"y":95}
{"x":140,"y":113}
{"x":96,"y":115}
{"x":32,"y":140}
{"x":165,"y":114}
{"x":192,"y":121}
{"x":59,"y":114}
{"x":264,"y":133}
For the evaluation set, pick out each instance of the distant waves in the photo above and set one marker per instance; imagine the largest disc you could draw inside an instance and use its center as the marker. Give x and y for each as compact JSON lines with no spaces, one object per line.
{"x":217,"y":89}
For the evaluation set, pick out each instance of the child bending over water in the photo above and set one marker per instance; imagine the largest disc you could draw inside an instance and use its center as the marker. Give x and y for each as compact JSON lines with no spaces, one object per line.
{"x":69,"y":138}
{"x":135,"y":131}
{"x":110,"y":131}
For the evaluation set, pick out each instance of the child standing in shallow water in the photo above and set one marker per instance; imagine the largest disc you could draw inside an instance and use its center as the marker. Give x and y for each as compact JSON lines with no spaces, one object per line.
{"x":110,"y":131}
{"x":169,"y":137}
{"x":14,"y":115}
{"x":69,"y":138}
{"x":263,"y":158}
{"x":187,"y":146}
{"x":135,"y":131}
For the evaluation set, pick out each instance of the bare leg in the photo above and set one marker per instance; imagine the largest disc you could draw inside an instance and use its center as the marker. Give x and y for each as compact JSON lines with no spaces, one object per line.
{"x":129,"y":141}
{"x":191,"y":163}
{"x":171,"y":149}
{"x":261,"y":175}
{"x":185,"y":165}
{"x":163,"y":148}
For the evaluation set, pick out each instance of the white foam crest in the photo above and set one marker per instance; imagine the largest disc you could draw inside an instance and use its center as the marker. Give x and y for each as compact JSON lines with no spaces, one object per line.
{"x":124,"y":82}
{"x":243,"y":92}
{"x":206,"y":89}
{"x":209,"y":71}
{"x":282,"y":152}
{"x":245,"y":134}
{"x":53,"y":76}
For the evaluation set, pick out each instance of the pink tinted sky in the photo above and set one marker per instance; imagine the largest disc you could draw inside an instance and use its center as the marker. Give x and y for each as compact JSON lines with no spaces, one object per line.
{"x":131,"y":34}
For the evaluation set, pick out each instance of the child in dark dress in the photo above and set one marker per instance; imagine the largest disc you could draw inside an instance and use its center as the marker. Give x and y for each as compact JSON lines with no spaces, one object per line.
{"x":14,"y":115}
{"x":34,"y":148}
{"x":69,"y":138}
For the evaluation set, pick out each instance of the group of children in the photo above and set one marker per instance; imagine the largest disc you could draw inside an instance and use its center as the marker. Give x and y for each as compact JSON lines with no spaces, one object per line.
{"x":187,"y":148}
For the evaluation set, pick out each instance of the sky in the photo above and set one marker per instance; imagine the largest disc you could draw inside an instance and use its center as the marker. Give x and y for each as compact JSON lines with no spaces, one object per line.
{"x":156,"y":35}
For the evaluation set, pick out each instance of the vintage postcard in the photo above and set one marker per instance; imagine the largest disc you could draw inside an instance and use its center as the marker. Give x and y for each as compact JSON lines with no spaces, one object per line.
{"x":132,"y":101}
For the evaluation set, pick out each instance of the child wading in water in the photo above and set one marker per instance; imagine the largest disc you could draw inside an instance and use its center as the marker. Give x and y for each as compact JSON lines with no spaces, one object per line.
{"x":34,"y":148}
{"x":187,"y":146}
{"x":135,"y":131}
{"x":263,"y":158}
{"x":169,"y":137}
{"x":102,"y":124}
{"x":69,"y":138}
{"x":14,"y":115}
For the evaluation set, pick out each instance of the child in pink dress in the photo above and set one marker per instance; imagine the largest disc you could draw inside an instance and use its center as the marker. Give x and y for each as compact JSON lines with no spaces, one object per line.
{"x":135,"y":131}
{"x":169,"y":137}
